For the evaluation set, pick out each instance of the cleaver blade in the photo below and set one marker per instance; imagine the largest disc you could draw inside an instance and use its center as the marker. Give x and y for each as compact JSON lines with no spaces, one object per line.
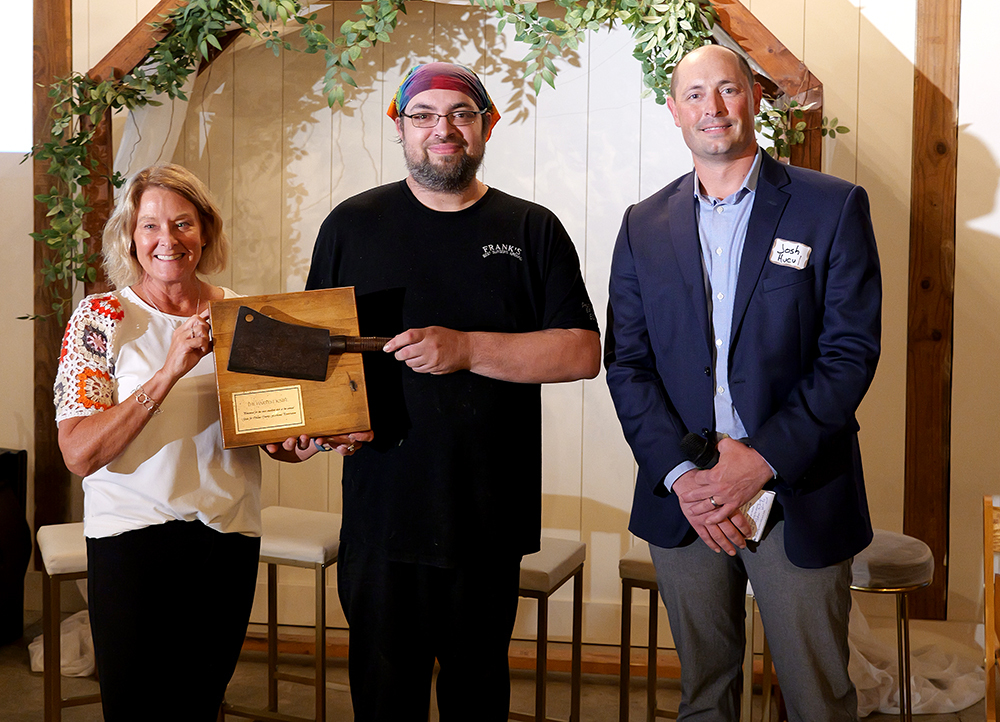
{"x":268,"y":347}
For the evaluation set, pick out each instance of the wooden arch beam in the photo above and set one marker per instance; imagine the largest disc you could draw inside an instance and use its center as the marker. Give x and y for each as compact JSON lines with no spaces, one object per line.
{"x":789,"y":73}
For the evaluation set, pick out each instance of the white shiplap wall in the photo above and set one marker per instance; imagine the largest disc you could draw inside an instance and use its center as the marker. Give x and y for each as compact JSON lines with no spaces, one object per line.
{"x":278,"y":160}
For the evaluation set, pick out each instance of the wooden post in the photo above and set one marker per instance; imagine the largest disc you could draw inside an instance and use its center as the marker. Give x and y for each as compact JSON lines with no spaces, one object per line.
{"x":933,"y":189}
{"x":100,"y":196}
{"x":788,"y":72}
{"x":52,"y":59}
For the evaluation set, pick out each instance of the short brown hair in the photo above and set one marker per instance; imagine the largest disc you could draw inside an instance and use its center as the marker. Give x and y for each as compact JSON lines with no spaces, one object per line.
{"x":118,"y":248}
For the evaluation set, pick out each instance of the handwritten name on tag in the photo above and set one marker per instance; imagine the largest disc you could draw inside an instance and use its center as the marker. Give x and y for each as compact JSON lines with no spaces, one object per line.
{"x":790,"y":253}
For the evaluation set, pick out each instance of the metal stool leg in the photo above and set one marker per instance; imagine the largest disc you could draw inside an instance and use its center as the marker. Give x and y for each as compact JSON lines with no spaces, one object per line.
{"x":903,"y":644}
{"x":624,"y":668}
{"x":541,"y":660}
{"x":577,"y":664}
{"x":654,"y":602}
{"x":767,"y":684}
{"x":272,"y":637}
{"x":320,"y":642}
{"x":50,"y":648}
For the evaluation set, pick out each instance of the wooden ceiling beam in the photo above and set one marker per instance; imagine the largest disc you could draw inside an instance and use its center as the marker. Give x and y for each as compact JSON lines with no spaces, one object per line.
{"x":135,"y":46}
{"x":789,"y":73}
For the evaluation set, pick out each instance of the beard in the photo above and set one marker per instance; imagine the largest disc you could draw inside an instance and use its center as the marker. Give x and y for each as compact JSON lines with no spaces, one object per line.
{"x":451,"y":177}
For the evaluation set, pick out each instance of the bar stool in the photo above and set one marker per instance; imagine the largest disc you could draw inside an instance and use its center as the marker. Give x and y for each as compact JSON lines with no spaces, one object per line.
{"x":895,"y":564}
{"x":300,"y":538}
{"x":637,"y":572}
{"x":542,"y":573}
{"x":64,"y":558}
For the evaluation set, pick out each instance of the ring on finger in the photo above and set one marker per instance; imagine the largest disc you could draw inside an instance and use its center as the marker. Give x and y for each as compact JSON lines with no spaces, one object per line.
{"x":350,"y":448}
{"x":714,"y":502}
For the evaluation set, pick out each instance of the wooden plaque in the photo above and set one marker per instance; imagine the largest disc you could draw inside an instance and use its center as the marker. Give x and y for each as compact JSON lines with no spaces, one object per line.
{"x":257,"y":409}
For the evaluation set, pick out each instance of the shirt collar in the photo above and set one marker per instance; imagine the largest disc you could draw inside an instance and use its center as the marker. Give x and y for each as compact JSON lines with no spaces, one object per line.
{"x":749,"y":184}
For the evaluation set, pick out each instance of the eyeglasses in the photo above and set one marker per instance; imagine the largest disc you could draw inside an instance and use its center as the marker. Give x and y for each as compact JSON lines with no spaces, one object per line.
{"x":456,"y":117}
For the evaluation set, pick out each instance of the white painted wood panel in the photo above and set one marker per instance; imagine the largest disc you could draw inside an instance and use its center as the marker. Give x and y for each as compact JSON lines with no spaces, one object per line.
{"x":277,"y":160}
{"x":884,"y":140}
{"x":976,"y":393}
{"x":560,"y":173}
{"x":784,"y":18}
{"x":613,"y":162}
{"x":840,"y":60}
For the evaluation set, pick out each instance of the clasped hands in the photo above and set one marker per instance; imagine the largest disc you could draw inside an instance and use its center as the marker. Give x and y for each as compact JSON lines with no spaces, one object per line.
{"x":304,"y":446}
{"x":711,"y":498}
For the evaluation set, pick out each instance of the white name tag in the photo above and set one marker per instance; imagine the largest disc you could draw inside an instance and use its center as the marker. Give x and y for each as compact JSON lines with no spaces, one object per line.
{"x":790,"y":253}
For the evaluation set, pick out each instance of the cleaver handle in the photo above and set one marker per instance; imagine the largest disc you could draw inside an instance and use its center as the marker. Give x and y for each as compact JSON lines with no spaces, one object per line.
{"x":357,"y":344}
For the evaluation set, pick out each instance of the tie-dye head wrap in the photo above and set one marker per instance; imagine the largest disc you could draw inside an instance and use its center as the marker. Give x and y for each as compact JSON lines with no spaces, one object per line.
{"x":443,"y":76}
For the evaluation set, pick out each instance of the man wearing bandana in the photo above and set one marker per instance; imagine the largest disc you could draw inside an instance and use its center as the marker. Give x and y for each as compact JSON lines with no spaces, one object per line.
{"x":483,"y":297}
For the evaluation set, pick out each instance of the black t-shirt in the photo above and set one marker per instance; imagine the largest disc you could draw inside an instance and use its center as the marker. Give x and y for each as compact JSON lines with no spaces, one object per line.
{"x":455,"y":467}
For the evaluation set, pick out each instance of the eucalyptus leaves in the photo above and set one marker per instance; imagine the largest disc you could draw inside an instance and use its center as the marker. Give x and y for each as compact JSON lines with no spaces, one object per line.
{"x":784,"y":127}
{"x":664,"y":30}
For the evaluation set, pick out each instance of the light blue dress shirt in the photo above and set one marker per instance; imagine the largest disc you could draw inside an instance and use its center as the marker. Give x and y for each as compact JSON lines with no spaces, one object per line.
{"x":722,"y":230}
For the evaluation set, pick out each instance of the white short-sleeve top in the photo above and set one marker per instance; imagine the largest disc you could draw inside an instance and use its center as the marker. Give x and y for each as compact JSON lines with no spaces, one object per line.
{"x":176,"y":468}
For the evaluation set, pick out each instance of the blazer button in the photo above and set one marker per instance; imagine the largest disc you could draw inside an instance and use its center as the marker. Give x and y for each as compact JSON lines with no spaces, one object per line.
{"x":708,"y":371}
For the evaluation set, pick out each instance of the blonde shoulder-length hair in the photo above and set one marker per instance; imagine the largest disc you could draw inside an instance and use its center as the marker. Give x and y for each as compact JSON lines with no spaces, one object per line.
{"x":118,"y":248}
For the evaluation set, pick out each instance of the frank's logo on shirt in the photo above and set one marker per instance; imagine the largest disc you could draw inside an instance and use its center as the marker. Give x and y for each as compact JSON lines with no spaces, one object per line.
{"x":505,"y":248}
{"x":790,"y":253}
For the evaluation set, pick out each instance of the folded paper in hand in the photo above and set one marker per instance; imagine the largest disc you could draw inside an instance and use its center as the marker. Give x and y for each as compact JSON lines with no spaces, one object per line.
{"x":756,"y":511}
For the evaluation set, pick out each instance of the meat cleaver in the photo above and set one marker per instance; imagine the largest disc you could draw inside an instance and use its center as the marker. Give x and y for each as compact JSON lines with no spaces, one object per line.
{"x":269,"y":347}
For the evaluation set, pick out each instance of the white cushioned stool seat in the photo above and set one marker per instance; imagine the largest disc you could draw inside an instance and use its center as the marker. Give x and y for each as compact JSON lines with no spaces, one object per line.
{"x":64,"y":558}
{"x":542,"y":573}
{"x":299,"y":535}
{"x":636,"y":564}
{"x":63,"y":548}
{"x":300,"y":538}
{"x":545,"y":570}
{"x":895,"y":564}
{"x":892,"y":561}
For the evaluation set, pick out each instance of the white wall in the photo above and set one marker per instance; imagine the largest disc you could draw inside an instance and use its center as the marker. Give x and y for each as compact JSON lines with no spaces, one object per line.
{"x":976,"y":389}
{"x":278,"y":160}
{"x":17,"y":424}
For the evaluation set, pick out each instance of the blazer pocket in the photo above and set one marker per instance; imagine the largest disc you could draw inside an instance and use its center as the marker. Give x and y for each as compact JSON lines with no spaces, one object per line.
{"x":789,"y":277}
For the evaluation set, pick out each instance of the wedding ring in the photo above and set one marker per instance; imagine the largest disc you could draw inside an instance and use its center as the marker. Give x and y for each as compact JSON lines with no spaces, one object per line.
{"x":351,"y":448}
{"x":714,"y":502}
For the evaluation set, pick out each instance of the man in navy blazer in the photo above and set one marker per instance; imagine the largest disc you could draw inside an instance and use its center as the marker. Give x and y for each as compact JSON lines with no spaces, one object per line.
{"x":745,"y":303}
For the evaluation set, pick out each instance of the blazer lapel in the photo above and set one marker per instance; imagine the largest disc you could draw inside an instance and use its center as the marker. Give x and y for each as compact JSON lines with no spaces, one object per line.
{"x":683,"y":232}
{"x":768,"y":206}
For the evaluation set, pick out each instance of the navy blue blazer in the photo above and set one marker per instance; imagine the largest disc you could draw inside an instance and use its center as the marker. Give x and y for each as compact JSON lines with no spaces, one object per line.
{"x":804,"y":348}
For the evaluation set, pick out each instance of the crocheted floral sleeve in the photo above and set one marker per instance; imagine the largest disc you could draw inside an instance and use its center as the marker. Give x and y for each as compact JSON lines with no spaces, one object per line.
{"x":85,"y":380}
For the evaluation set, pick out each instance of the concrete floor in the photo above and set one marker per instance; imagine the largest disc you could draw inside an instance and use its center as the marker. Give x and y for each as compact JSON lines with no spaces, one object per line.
{"x":21,"y":691}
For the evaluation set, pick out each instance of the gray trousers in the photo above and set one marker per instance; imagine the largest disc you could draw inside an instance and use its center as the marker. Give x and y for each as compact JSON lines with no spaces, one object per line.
{"x":805,"y":615}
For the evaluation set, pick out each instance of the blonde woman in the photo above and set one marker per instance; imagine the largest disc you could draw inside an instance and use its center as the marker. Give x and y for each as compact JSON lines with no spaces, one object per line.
{"x":172,"y":519}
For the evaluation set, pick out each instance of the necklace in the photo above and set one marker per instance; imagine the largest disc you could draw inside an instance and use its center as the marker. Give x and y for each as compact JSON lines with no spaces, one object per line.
{"x":171,"y":317}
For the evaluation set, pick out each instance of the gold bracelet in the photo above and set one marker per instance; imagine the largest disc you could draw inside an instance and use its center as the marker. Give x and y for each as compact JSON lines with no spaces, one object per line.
{"x":146,"y":400}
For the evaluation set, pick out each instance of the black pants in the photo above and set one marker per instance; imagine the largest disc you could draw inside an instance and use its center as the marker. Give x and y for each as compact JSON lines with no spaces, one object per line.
{"x":402,"y":616}
{"x":169,"y":606}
